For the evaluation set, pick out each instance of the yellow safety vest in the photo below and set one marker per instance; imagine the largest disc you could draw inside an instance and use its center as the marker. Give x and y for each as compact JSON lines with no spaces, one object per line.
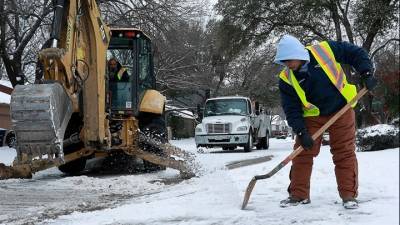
{"x":322,"y":52}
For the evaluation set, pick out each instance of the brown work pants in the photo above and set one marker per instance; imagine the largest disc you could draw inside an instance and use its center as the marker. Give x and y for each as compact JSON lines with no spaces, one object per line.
{"x":342,"y":143}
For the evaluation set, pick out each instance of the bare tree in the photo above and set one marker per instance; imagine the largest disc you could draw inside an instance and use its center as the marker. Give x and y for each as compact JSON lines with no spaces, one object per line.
{"x":249,"y":73}
{"x":387,"y":60}
{"x":356,"y":21}
{"x":362,"y":20}
{"x":152,"y":16}
{"x":20,"y":34}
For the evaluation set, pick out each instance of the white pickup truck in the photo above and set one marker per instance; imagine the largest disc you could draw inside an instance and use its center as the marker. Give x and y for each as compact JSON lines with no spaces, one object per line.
{"x":229,"y":122}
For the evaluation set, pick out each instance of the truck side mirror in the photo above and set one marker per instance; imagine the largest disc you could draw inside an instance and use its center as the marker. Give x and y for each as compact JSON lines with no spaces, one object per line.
{"x":257,"y":107}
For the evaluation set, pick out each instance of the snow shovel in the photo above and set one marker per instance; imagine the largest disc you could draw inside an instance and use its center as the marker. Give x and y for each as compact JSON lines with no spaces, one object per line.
{"x":300,"y":148}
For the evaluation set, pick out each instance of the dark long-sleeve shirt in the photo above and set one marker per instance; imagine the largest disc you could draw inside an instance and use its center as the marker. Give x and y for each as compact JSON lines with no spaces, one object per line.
{"x":319,"y":90}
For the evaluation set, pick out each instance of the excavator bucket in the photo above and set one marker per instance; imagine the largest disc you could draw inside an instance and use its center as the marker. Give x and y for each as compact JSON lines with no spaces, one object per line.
{"x":40,"y":114}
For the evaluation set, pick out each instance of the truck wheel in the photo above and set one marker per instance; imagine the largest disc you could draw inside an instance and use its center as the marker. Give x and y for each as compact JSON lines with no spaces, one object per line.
{"x":260,"y":144}
{"x":156,"y":130}
{"x":120,"y":163}
{"x":10,"y":139}
{"x":266,"y":142}
{"x":249,"y":146}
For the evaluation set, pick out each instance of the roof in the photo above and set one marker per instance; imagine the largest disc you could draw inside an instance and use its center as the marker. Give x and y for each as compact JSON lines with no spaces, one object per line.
{"x":180,"y":112}
{"x":228,"y":97}
{"x":5,"y":98}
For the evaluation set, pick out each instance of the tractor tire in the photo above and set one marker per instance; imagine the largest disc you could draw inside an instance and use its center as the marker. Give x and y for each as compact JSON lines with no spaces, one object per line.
{"x":121,"y":163}
{"x":157,"y":131}
{"x":73,"y":167}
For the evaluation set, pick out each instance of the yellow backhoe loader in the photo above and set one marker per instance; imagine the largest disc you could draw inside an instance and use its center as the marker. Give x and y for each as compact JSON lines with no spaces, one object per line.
{"x":75,"y":111}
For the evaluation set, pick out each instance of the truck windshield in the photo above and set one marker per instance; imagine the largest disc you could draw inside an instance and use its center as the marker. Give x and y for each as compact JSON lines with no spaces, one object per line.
{"x":226,"y":107}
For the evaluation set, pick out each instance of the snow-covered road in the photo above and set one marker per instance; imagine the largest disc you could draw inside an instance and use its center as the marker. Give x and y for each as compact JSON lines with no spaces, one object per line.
{"x":213,"y":198}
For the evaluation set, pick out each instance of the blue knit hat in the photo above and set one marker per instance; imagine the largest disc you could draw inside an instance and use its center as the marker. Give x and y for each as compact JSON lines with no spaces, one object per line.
{"x":290,"y":47}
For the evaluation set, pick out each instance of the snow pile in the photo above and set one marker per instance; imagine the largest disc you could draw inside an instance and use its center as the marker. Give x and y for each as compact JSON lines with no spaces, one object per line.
{"x":117,"y":185}
{"x":380,"y":129}
{"x":395,"y":121}
{"x":378,"y":137}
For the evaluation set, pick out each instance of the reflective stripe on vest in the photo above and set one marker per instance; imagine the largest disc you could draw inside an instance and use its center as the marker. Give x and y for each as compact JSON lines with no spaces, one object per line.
{"x":120,"y":73}
{"x":308,"y":108}
{"x":326,"y":59}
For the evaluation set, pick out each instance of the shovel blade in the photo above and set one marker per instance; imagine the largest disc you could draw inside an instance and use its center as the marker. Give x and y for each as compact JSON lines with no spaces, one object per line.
{"x":248,"y":193}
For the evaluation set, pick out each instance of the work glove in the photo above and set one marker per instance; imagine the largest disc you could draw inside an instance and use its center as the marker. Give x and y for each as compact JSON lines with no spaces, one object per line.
{"x":368,"y":80}
{"x":306,"y":140}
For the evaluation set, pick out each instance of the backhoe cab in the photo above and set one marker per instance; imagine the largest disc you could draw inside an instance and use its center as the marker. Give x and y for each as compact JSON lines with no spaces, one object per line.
{"x":129,"y":70}
{"x":131,"y":83}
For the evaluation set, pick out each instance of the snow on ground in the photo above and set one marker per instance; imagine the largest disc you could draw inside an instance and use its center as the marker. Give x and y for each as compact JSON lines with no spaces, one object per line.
{"x":7,"y":155}
{"x":216,"y":196}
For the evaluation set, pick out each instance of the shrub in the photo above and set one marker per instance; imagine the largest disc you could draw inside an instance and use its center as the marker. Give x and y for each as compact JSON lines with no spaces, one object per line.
{"x":378,"y":137}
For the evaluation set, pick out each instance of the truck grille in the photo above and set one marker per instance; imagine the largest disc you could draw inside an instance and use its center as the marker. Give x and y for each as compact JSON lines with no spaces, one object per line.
{"x":217,"y":128}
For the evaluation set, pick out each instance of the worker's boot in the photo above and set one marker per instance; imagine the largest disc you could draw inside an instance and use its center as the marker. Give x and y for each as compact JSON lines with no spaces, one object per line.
{"x":350,"y":203}
{"x":293,"y":201}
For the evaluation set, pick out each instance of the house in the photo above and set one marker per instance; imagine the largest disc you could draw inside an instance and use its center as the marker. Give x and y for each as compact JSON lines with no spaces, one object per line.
{"x":181,"y":122}
{"x":5,"y":97}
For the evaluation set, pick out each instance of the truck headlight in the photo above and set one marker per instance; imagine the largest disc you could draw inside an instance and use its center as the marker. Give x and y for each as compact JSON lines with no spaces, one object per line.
{"x":198,"y":130}
{"x":241,"y":128}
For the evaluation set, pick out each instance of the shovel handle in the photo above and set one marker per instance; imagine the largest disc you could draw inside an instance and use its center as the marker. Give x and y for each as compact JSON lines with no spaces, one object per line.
{"x":315,"y":135}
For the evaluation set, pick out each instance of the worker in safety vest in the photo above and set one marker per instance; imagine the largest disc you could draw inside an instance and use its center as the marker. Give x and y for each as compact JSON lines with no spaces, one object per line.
{"x":313,"y":88}
{"x":116,"y":72}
